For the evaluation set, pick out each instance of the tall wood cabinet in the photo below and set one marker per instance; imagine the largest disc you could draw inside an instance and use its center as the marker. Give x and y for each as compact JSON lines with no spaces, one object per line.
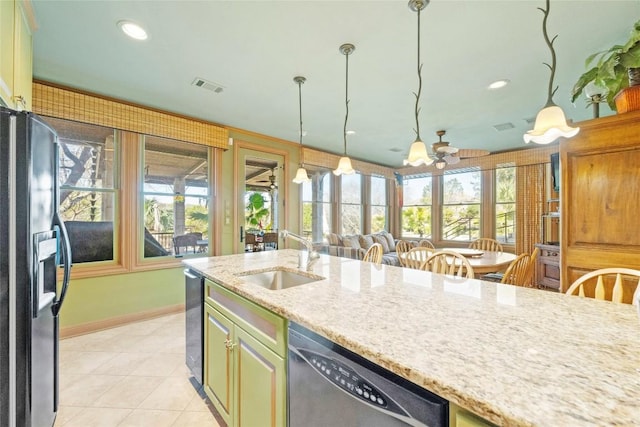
{"x":16,"y":68}
{"x":600,"y":196}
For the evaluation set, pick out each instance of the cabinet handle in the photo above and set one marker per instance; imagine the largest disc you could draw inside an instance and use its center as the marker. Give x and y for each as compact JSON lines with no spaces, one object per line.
{"x":229,"y":345}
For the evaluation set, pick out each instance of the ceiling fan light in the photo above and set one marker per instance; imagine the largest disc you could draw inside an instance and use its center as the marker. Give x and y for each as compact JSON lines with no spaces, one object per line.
{"x":301,"y":176}
{"x":418,"y":155}
{"x":344,"y":167}
{"x":550,"y":125}
{"x":440,"y":164}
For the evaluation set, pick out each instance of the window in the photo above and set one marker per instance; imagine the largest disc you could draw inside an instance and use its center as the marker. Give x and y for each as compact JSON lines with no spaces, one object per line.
{"x":351,"y":204}
{"x":416,"y":211}
{"x":316,"y":206}
{"x":176,"y":198}
{"x":505,"y":190}
{"x":378,"y":204}
{"x":461,"y":197}
{"x":87,"y":177}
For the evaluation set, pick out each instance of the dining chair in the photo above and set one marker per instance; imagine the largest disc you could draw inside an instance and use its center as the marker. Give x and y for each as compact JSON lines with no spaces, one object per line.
{"x":448,"y":262}
{"x":402,"y":247}
{"x":486,"y":244}
{"x":416,"y":257}
{"x":607,"y":284}
{"x":426,"y":244}
{"x":373,"y":254}
{"x":520,"y":271}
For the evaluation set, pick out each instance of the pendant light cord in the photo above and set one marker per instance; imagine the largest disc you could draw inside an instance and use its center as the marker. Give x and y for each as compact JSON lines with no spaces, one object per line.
{"x":300,"y":109}
{"x":346,"y":100}
{"x":551,"y":90}
{"x":417,"y":129}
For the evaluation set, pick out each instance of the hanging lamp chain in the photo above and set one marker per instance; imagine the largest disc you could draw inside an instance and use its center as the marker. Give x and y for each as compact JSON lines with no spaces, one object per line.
{"x":417,"y":129}
{"x":551,"y":90}
{"x":347,"y":51}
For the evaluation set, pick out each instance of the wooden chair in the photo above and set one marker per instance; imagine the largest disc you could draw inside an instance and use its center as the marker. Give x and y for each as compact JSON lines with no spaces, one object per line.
{"x":374,"y":254}
{"x":426,"y":244}
{"x":416,"y":257}
{"x":519,"y":272}
{"x":450,"y":263}
{"x":592,"y":284}
{"x":402,"y":247}
{"x":186,"y":241}
{"x":486,"y":244}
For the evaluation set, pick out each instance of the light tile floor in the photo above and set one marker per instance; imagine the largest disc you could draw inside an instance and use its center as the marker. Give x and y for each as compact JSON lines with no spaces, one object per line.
{"x":133,"y":375}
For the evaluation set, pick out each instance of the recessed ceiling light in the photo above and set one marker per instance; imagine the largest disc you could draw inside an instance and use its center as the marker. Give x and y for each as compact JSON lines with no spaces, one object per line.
{"x":499,"y":84}
{"x":133,"y":30}
{"x":351,"y":132}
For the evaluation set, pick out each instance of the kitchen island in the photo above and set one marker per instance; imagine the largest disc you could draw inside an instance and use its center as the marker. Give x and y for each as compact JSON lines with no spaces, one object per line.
{"x":514,"y":356}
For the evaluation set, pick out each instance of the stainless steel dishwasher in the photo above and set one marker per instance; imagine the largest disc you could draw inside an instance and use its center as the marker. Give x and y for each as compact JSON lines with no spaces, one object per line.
{"x":194,"y":304}
{"x":332,"y":386}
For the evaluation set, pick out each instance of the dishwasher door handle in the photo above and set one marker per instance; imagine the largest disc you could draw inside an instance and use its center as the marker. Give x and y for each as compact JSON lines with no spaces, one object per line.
{"x":189,"y":274}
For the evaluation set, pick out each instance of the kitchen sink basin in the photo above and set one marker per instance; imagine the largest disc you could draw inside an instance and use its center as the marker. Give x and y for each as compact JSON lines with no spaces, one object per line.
{"x":278,"y":279}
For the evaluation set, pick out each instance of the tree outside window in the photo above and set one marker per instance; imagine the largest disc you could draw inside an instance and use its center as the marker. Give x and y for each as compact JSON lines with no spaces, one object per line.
{"x":505,"y":190}
{"x":379,"y":206}
{"x":351,"y":204}
{"x":461,"y":201}
{"x":416,"y":211}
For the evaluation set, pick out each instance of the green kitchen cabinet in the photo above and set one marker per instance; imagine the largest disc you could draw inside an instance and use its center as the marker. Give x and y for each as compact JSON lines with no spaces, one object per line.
{"x":245,"y":360}
{"x":459,"y":417}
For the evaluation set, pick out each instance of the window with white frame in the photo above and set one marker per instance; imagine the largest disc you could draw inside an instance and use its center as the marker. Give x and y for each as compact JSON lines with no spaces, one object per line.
{"x":378,"y":204}
{"x":351,"y":204}
{"x":461,"y":205}
{"x":416,"y":209}
{"x":316,"y":205}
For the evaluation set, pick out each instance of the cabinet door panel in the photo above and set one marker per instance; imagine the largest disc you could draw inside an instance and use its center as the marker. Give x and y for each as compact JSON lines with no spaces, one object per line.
{"x":7,"y":15}
{"x":23,"y":68}
{"x":218,"y":369}
{"x":261,"y":384}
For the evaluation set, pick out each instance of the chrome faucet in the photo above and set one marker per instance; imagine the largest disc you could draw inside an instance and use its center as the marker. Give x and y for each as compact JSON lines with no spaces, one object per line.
{"x":312,"y":256}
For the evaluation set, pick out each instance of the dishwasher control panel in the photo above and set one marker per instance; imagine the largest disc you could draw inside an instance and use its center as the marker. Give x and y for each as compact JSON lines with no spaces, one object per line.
{"x":345,"y":378}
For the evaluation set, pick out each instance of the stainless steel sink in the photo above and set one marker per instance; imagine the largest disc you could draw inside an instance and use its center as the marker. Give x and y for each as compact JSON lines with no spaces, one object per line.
{"x":277,"y":279}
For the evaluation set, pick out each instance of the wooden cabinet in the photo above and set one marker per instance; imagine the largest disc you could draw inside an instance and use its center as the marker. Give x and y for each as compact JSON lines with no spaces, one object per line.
{"x":16,"y":54}
{"x":245,"y":360}
{"x":459,"y":417}
{"x":600,"y":196}
{"x":548,"y":266}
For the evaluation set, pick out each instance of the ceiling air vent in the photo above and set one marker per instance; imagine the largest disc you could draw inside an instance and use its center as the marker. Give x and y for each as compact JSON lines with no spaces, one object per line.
{"x":205,"y":84}
{"x":503,"y":126}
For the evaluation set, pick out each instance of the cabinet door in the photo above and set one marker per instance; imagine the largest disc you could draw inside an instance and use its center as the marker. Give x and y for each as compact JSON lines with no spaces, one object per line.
{"x":261,"y":384}
{"x":7,"y":15}
{"x":23,"y":68}
{"x":218,"y":365}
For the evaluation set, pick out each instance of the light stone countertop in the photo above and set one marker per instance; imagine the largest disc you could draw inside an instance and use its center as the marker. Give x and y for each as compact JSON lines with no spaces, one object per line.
{"x":514,"y":356}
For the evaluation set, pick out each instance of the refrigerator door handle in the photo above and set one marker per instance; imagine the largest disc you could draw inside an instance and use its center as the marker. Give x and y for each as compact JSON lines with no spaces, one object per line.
{"x":66,"y":257}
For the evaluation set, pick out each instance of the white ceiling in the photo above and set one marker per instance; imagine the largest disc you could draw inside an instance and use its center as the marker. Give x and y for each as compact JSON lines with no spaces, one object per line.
{"x":255,"y":48}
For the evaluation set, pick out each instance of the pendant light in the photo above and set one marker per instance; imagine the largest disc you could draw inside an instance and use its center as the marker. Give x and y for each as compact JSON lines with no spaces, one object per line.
{"x":301,"y":174}
{"x":551,"y":122}
{"x":418,"y":152}
{"x":344,"y":165}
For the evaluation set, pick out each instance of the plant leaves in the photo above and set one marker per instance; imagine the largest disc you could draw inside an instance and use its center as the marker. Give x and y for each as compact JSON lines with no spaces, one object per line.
{"x":582,"y":82}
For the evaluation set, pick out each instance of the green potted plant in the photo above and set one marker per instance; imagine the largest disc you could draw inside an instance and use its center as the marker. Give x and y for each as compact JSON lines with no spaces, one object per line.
{"x":616,"y":69}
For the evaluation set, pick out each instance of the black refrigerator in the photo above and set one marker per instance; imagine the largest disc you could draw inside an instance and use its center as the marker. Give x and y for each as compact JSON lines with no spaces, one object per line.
{"x":33,"y":246}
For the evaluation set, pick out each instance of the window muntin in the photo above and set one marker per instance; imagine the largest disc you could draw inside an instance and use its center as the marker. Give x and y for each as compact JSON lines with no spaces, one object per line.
{"x":351,"y":204}
{"x":87,"y":176}
{"x":379,"y":207}
{"x":461,"y":205}
{"x":505,"y":193}
{"x":175,"y":217}
{"x":416,"y":210}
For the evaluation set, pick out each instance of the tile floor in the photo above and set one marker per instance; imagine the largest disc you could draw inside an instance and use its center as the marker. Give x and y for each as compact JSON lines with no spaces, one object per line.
{"x":133,"y":376}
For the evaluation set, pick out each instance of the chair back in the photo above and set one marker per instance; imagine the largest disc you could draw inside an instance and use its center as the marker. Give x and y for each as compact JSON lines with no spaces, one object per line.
{"x":415,"y":257}
{"x":597,"y":284}
{"x":450,"y":263}
{"x":519,"y":271}
{"x":374,"y":254}
{"x":426,"y":244}
{"x":402,"y":247}
{"x":486,"y":244}
{"x":186,"y":241}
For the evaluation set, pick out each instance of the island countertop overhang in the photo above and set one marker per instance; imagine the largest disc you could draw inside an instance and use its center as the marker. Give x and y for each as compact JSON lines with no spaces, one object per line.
{"x":514,"y":356}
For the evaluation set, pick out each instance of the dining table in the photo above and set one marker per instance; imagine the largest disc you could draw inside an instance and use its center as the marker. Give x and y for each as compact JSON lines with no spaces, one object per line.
{"x":484,"y":262}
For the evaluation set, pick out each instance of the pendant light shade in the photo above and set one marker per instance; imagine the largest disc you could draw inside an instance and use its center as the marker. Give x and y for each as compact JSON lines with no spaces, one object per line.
{"x":301,"y":174}
{"x":344,"y":165}
{"x":550,"y":125}
{"x":551,"y":122}
{"x":418,"y":154}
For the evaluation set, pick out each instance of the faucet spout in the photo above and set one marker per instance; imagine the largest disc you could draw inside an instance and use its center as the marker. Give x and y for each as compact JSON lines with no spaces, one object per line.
{"x":312,"y":256}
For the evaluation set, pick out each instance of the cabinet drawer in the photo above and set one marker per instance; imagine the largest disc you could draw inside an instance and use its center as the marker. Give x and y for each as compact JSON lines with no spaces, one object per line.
{"x":262,"y":324}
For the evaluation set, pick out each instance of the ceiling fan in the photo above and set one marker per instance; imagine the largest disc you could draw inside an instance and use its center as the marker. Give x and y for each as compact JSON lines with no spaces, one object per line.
{"x":444,"y":154}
